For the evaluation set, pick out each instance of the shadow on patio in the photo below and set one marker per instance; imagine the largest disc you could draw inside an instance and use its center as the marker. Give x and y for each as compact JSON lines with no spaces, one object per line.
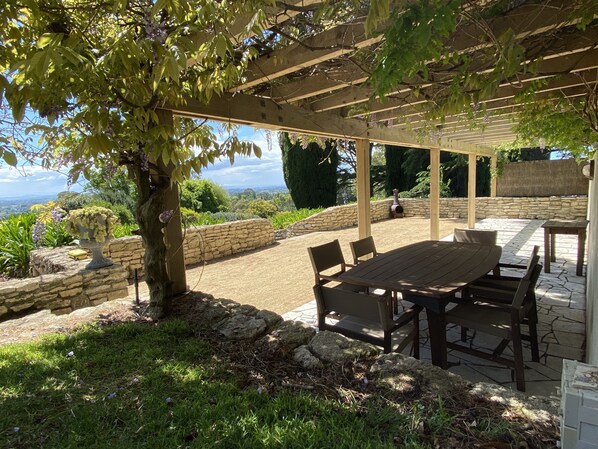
{"x":561,"y":310}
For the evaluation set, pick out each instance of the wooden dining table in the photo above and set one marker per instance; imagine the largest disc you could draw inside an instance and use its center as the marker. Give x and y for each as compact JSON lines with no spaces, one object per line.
{"x":427,"y":273}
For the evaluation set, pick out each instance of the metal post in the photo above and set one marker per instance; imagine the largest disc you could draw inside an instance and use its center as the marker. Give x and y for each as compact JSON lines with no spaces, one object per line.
{"x":136,"y":278}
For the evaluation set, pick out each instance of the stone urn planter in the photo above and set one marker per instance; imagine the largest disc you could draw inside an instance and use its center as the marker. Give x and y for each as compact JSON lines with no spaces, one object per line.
{"x":98,"y":260}
{"x":94,"y":227}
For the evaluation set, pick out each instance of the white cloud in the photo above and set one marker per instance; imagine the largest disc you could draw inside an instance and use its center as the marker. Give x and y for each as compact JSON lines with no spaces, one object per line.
{"x":249,"y":171}
{"x":31,"y":181}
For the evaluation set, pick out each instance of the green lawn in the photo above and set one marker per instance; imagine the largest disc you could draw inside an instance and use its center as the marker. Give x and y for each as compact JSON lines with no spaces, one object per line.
{"x":158,"y":386}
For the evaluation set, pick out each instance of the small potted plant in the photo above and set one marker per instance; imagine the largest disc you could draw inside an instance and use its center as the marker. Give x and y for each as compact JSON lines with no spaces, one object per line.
{"x":94,"y":226}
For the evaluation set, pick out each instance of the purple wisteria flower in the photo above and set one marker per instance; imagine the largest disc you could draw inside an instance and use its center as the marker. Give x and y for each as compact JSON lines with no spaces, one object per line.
{"x":38,"y":232}
{"x":57,"y":215}
{"x":144,"y":161}
{"x":165,"y":216}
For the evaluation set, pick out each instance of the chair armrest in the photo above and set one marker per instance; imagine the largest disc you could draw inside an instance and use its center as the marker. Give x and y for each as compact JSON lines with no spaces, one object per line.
{"x":491,"y":277}
{"x":512,"y":265}
{"x":407,"y":316}
{"x":491,"y":294}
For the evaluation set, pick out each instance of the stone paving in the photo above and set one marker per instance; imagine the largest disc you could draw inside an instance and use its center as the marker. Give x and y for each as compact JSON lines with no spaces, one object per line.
{"x":561,"y":312}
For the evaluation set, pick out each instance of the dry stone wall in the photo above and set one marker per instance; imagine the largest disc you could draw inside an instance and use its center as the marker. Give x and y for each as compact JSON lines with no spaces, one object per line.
{"x":540,"y":208}
{"x":537,"y":208}
{"x":200,"y":244}
{"x":64,"y":287}
{"x":62,"y":284}
{"x":338,"y":217}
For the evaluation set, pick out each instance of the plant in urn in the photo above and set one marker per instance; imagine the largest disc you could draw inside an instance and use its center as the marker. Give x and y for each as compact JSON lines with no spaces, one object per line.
{"x":94,"y":227}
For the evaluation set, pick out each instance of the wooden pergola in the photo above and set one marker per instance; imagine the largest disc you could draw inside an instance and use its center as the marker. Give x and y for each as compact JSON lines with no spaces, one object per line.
{"x":313,"y":86}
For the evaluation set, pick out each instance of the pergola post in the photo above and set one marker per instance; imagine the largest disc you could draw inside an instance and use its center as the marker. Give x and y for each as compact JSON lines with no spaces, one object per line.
{"x":175,"y":257}
{"x":434,"y":193}
{"x":493,"y":164}
{"x":471,"y":191}
{"x":364,"y":225}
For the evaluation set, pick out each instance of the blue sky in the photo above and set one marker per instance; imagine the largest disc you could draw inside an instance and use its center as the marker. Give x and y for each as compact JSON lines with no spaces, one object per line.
{"x":246,"y":172}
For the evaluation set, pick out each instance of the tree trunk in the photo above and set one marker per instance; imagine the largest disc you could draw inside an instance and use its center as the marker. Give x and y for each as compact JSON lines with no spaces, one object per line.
{"x":150,"y":204}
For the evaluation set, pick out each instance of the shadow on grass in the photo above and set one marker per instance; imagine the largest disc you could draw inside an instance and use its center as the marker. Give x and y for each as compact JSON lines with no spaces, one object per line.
{"x":158,"y":386}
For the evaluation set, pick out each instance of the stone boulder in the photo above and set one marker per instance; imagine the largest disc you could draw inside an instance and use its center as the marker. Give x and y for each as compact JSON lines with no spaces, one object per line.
{"x":242,"y":327}
{"x":306,"y":359}
{"x":336,"y":348}
{"x":289,"y":335}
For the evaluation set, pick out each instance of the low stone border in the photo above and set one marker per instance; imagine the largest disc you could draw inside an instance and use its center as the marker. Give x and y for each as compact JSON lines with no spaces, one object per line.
{"x":314,"y":350}
{"x":201,"y":243}
{"x":543,"y":208}
{"x":66,"y":286}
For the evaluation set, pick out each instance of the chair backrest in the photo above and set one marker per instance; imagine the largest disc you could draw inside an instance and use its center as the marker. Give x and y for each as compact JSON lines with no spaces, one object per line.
{"x":531,"y":275}
{"x":535,"y":251}
{"x":326,"y":257}
{"x":475,"y":236}
{"x":375,"y":308}
{"x":363,"y":247}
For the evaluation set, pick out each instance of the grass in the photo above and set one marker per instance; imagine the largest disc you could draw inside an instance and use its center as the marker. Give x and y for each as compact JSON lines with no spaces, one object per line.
{"x":159,"y":386}
{"x":136,"y":385}
{"x":284,"y":219}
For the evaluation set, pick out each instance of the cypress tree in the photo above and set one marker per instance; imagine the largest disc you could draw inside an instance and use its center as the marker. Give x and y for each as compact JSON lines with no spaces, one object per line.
{"x":402,"y":166}
{"x":310,"y":174}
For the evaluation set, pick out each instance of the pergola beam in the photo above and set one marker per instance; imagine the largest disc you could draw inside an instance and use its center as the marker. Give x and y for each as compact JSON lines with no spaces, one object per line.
{"x":362,"y":94}
{"x":504,"y":99}
{"x":260,"y":112}
{"x":330,"y":44}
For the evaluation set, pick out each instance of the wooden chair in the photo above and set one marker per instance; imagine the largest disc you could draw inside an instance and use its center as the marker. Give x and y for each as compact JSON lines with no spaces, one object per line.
{"x":327,"y":261}
{"x":501,"y":317}
{"x":482,"y":236}
{"x":363,"y":247}
{"x":366,"y":247}
{"x":485,"y":237}
{"x":367,"y":318}
{"x":501,"y":288}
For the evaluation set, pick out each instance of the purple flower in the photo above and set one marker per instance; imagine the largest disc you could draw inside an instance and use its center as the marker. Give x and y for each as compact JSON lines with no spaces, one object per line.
{"x":38,"y":232}
{"x":165,"y":216}
{"x":144,"y":161}
{"x":57,"y":215}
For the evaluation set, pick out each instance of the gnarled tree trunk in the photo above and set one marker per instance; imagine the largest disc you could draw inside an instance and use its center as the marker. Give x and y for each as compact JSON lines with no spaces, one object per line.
{"x":150,"y":204}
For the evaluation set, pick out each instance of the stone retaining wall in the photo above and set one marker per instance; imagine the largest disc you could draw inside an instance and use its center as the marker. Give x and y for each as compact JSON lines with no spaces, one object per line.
{"x":533,"y":208}
{"x":63,"y":284}
{"x":69,"y":285}
{"x":540,"y":208}
{"x":338,"y":217}
{"x":200,"y":244}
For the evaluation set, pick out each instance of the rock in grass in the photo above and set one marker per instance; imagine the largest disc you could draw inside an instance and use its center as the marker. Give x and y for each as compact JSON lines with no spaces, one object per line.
{"x":306,"y":359}
{"x":336,"y":348}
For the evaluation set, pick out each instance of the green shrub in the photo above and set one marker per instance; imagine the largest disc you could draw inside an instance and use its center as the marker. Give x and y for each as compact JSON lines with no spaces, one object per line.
{"x":125,"y":216}
{"x":16,"y":243}
{"x":262,"y":208}
{"x":202,"y":195}
{"x":189,"y":216}
{"x":281,"y":220}
{"x":232,"y":216}
{"x":56,"y":235}
{"x":124,"y":230}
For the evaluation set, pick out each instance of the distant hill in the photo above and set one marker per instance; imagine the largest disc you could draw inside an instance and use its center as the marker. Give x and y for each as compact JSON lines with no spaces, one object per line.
{"x":271,"y":189}
{"x":20,"y":204}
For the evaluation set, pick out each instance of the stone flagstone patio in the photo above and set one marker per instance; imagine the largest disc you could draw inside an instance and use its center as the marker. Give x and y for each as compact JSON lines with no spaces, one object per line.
{"x":561,"y":312}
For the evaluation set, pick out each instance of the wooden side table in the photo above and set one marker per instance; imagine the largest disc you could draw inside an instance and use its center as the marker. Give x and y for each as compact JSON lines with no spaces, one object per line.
{"x":553,"y":227}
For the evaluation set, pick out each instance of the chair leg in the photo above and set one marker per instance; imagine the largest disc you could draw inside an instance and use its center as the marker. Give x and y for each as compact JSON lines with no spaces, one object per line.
{"x":463,"y":333}
{"x":533,"y":332}
{"x":387,"y":342}
{"x":500,"y":348}
{"x":518,"y":355}
{"x":416,"y":337}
